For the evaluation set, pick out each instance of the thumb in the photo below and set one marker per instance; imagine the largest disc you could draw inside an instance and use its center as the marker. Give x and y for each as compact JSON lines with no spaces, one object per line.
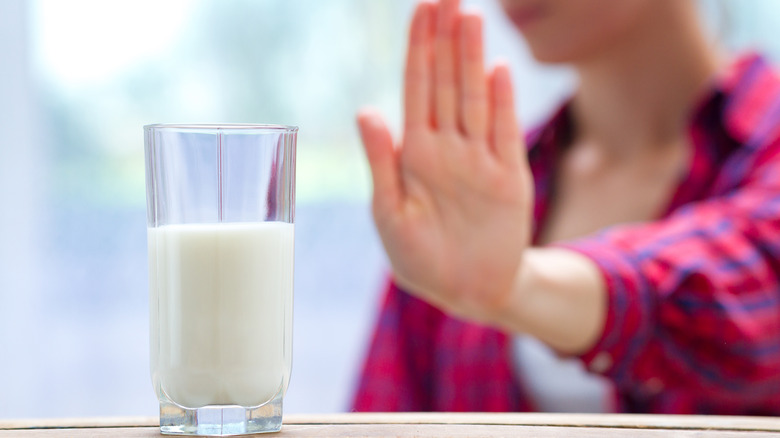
{"x":378,"y":144}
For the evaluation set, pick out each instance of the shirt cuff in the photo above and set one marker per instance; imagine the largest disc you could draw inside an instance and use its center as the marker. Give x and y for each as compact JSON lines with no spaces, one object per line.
{"x":630,"y":309}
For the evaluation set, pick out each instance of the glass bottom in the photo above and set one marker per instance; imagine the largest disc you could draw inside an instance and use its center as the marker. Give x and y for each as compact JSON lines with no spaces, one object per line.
{"x":221,"y":420}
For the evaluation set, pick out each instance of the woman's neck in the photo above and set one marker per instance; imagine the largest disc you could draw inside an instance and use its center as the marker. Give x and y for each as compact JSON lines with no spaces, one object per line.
{"x":638,"y":92}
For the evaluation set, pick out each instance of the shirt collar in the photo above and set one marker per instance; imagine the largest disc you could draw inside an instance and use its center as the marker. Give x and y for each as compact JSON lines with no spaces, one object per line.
{"x":750,"y":89}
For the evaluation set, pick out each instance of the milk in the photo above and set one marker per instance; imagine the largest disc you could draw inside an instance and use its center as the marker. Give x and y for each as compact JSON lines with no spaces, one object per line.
{"x":221,"y":312}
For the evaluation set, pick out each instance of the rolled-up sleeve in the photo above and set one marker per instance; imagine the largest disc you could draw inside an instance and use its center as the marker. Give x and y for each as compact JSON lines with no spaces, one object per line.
{"x":694,"y":299}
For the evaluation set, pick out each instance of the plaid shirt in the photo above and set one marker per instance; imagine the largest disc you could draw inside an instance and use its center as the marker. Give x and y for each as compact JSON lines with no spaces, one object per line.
{"x":693,"y":320}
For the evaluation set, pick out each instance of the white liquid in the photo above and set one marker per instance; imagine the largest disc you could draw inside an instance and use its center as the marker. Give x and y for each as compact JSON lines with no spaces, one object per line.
{"x":221,"y":312}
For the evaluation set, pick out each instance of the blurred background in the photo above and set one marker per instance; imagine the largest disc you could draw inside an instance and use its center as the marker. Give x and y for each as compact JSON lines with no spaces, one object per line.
{"x":79,"y":79}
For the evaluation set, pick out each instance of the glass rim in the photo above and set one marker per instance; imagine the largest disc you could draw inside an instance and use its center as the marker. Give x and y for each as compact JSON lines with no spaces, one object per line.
{"x":204,"y":127}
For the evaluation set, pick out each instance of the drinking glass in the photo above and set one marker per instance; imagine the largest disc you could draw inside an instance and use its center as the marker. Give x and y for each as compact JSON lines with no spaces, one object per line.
{"x":220,"y":216}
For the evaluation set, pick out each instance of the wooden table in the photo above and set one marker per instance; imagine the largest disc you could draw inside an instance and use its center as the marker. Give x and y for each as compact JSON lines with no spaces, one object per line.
{"x":434,"y":425}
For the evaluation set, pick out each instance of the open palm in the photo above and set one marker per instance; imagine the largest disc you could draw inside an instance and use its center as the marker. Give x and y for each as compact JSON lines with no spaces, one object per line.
{"x":452,"y":202}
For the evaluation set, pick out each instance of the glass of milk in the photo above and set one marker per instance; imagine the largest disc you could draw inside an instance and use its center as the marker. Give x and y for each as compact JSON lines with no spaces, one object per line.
{"x":220,"y":213}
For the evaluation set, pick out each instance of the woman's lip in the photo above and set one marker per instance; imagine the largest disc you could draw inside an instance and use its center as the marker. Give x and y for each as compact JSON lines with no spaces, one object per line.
{"x":522,"y":17}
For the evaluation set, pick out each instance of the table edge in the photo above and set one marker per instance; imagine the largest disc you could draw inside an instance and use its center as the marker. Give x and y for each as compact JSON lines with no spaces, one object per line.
{"x":632,"y":421}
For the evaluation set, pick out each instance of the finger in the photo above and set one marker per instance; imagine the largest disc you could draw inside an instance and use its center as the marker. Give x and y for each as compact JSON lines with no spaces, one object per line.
{"x":417,"y":76}
{"x":505,"y":129}
{"x":444,"y":65}
{"x":378,"y":143}
{"x":473,"y":87}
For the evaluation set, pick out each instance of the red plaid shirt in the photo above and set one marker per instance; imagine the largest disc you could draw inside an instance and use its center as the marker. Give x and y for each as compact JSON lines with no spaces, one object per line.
{"x":693,"y":321}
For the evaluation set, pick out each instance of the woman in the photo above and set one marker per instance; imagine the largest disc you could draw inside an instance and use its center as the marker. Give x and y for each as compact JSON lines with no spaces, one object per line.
{"x":640,"y":233}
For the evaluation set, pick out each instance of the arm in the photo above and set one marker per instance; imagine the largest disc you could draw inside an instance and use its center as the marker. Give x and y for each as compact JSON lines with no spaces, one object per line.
{"x":690,"y":303}
{"x":694,"y":299}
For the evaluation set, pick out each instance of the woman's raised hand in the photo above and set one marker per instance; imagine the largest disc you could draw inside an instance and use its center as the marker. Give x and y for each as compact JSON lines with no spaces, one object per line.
{"x":452,"y":202}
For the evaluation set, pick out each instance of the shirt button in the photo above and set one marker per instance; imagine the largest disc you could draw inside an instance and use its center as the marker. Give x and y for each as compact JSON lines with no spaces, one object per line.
{"x":601,"y":363}
{"x":654,"y":385}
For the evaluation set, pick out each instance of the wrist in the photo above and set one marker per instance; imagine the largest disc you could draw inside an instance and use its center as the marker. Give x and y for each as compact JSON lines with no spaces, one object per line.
{"x":559,"y":297}
{"x":514,"y":316}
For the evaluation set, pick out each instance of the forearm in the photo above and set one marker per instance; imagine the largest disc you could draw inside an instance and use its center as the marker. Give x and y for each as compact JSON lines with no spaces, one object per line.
{"x":559,"y":297}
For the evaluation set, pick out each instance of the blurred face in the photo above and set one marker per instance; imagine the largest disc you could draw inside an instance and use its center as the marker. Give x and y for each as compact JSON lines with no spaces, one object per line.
{"x":572,"y":30}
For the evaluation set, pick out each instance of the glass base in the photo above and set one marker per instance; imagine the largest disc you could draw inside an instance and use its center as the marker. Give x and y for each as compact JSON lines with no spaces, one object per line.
{"x":221,"y":420}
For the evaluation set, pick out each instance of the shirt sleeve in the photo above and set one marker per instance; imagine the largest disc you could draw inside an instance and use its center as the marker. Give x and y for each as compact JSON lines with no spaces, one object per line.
{"x":694,"y":299}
